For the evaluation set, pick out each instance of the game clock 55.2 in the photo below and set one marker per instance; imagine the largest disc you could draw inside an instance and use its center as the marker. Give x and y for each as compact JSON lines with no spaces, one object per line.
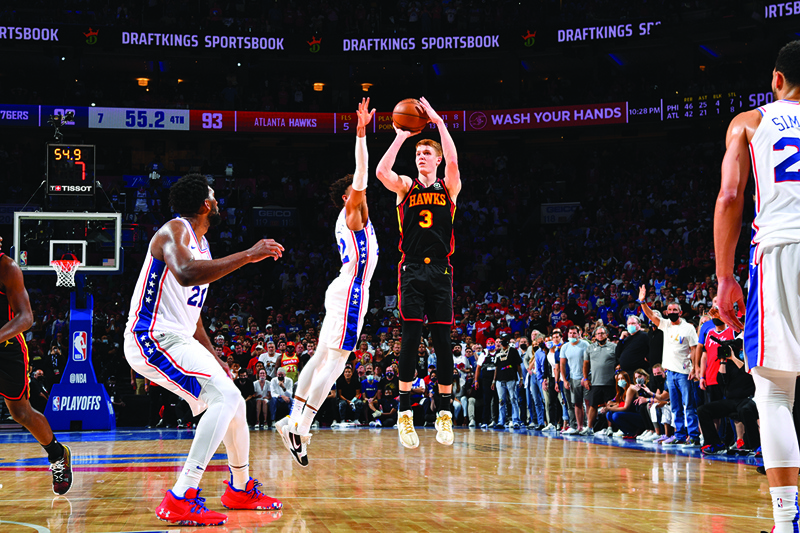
{"x":70,"y":169}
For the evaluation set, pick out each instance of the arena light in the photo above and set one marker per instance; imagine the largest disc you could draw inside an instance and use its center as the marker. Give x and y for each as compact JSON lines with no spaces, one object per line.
{"x":319,"y":86}
{"x":365,"y":87}
{"x":143,"y":81}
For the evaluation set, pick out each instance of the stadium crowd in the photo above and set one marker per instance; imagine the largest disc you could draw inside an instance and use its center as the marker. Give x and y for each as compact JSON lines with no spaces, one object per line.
{"x":551,"y":330}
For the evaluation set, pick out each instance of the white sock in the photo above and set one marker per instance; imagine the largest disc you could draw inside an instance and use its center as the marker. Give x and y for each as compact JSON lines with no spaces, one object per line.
{"x":784,"y":508}
{"x":297,"y":409}
{"x":240,"y":475}
{"x":307,"y":418}
{"x":189,"y":478}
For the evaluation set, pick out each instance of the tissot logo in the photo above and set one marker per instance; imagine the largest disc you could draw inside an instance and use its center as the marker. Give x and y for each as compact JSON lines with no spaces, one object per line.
{"x":70,"y":188}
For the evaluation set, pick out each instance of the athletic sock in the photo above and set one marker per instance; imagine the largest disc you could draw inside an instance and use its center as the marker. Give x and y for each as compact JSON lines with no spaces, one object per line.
{"x":405,"y":401}
{"x":297,"y":409}
{"x":446,"y":403}
{"x":306,"y":419}
{"x":189,"y":478}
{"x":240,"y":475}
{"x":55,"y":450}
{"x":784,"y":508}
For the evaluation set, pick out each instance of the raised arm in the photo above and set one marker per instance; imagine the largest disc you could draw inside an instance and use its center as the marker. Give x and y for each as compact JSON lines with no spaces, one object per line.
{"x":390,"y":179}
{"x":171,"y":245}
{"x":356,"y":211}
{"x":646,"y":308}
{"x":728,"y":212}
{"x":452,"y":175}
{"x":14,"y":287}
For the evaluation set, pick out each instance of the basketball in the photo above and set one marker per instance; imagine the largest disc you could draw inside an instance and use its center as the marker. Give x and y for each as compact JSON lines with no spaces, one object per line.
{"x":409,"y":115}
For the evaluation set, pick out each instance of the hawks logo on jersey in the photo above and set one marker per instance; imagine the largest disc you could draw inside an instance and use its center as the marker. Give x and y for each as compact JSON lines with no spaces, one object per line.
{"x":427,"y":198}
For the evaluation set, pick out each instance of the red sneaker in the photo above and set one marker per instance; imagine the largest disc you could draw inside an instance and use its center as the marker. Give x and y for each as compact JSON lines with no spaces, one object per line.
{"x":188,"y":511}
{"x":249,"y":498}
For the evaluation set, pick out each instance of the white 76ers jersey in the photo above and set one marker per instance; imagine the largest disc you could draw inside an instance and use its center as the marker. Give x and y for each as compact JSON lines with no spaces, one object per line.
{"x":160,"y":303}
{"x":775,"y":154}
{"x":357,"y":249}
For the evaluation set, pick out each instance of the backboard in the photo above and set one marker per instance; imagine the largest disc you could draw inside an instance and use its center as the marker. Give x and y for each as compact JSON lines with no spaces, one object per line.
{"x":95,"y":239}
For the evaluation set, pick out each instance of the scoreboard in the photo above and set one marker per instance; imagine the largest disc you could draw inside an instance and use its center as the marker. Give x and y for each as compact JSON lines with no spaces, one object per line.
{"x":722,"y":105}
{"x":70,"y":169}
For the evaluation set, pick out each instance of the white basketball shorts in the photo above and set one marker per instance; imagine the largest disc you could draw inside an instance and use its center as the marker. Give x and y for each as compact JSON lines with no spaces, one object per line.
{"x":179,"y":364}
{"x":772,"y":323}
{"x":346,"y":303}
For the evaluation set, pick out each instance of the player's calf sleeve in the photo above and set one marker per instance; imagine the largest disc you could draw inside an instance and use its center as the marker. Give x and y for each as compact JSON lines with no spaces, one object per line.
{"x":440,"y":334}
{"x":774,"y":397}
{"x":412,"y":333}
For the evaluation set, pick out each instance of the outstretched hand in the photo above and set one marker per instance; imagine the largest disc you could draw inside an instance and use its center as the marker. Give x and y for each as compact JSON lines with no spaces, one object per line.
{"x":266,"y":248}
{"x":364,"y":114}
{"x":642,"y":292}
{"x":433,"y":116}
{"x":403,"y":134}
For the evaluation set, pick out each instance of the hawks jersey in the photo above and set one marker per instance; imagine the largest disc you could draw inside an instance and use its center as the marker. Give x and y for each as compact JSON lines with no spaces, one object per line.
{"x":160,"y":303}
{"x":357,"y":249}
{"x":426,"y":221}
{"x":775,"y":154}
{"x":17,"y":343}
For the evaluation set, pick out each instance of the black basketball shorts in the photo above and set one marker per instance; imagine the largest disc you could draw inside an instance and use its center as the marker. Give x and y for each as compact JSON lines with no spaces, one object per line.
{"x":14,"y":370}
{"x":426,"y":290}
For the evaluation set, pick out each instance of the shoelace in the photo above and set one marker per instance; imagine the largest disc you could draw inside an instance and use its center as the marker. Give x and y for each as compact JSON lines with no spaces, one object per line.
{"x":58,"y":470}
{"x":446,"y":423}
{"x":198,"y":504}
{"x":254,"y":493}
{"x":406,"y":424}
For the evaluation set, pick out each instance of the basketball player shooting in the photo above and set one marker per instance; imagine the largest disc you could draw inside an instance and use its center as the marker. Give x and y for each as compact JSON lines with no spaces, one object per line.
{"x":425,"y":209}
{"x":345,"y":300}
{"x":165,"y":342}
{"x":16,"y":317}
{"x":766,"y":138}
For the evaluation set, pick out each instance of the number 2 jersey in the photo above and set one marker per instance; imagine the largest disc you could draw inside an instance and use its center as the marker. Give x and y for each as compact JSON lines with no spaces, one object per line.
{"x":426,"y":222}
{"x":159,"y":302}
{"x":775,"y":154}
{"x":347,"y":297}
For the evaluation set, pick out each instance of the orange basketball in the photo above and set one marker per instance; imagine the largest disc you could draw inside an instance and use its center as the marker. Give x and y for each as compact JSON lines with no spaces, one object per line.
{"x":409,"y":115}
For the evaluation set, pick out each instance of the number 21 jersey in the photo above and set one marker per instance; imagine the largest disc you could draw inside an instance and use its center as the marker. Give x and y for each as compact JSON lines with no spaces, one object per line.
{"x":426,"y":222}
{"x":775,"y":154}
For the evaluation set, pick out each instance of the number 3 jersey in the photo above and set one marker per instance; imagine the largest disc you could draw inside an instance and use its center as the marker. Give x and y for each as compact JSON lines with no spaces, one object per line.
{"x":426,"y":222}
{"x":347,"y":297}
{"x":159,"y":302}
{"x":775,"y":154}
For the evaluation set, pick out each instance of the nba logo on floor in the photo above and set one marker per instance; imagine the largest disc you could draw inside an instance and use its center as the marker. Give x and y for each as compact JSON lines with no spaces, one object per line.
{"x":79,"y":346}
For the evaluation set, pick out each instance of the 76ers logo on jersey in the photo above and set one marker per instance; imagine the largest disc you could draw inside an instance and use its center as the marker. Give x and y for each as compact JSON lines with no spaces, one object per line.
{"x":79,"y":346}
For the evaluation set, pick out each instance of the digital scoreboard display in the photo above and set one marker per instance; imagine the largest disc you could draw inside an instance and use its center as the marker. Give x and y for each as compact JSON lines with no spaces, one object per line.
{"x":70,"y":169}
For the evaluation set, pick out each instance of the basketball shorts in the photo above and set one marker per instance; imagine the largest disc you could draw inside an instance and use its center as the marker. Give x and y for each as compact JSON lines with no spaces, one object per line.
{"x":179,"y":364}
{"x":599,"y":395}
{"x":14,"y":370}
{"x":346,"y":304}
{"x":426,"y":290}
{"x":772,"y":323}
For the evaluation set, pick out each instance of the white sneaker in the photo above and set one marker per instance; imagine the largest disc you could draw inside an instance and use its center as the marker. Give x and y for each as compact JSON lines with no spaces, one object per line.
{"x":378,"y":424}
{"x":618,"y":434}
{"x":644,"y":436}
{"x":405,"y":428}
{"x":585,"y":431}
{"x":372,"y":424}
{"x":472,"y":423}
{"x":549,"y":427}
{"x":444,"y":428}
{"x":570,"y":431}
{"x":654,"y":437}
{"x":296,"y":444}
{"x":315,"y":425}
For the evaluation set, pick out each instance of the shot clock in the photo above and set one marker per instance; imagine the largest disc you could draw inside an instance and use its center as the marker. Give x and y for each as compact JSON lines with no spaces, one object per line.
{"x":70,"y":169}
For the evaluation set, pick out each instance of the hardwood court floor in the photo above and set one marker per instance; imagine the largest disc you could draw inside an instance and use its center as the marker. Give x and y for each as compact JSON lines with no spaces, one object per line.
{"x":364,"y":480}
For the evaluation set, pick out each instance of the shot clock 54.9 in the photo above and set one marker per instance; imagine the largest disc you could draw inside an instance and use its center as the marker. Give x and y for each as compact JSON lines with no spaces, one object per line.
{"x":70,"y":169}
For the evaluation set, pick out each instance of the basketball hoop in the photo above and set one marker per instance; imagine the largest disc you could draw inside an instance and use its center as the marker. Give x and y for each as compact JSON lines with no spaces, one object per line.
{"x":65,"y":270}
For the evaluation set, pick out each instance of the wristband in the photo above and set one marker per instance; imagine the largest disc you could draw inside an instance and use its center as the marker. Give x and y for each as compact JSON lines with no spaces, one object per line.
{"x":702,"y":378}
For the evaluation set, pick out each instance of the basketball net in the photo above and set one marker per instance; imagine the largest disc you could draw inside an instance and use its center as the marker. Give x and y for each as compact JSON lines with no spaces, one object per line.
{"x":65,"y":271}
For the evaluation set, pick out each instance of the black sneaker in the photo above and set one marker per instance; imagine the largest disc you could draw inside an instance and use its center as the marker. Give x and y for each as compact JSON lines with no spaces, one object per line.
{"x":62,"y":473}
{"x":296,"y":444}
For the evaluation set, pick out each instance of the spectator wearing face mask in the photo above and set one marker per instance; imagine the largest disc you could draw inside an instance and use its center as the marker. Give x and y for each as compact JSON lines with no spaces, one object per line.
{"x":680,"y":338}
{"x":507,"y":379}
{"x":248,"y":392}
{"x":633,"y":349}
{"x":621,"y":412}
{"x":533,"y":383}
{"x":544,"y":376}
{"x":484,"y":375}
{"x":599,"y":364}
{"x":573,"y":354}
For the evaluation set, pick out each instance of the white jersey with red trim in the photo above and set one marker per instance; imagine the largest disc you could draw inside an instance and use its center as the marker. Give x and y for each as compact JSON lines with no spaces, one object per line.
{"x":160,"y":303}
{"x":775,"y":154}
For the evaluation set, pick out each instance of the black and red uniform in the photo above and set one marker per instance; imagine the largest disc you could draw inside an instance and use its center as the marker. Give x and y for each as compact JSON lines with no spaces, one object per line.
{"x":13,"y":355}
{"x":425,"y":275}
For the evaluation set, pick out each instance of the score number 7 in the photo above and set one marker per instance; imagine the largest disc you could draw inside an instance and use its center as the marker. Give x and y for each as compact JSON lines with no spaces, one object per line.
{"x":781,"y":172}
